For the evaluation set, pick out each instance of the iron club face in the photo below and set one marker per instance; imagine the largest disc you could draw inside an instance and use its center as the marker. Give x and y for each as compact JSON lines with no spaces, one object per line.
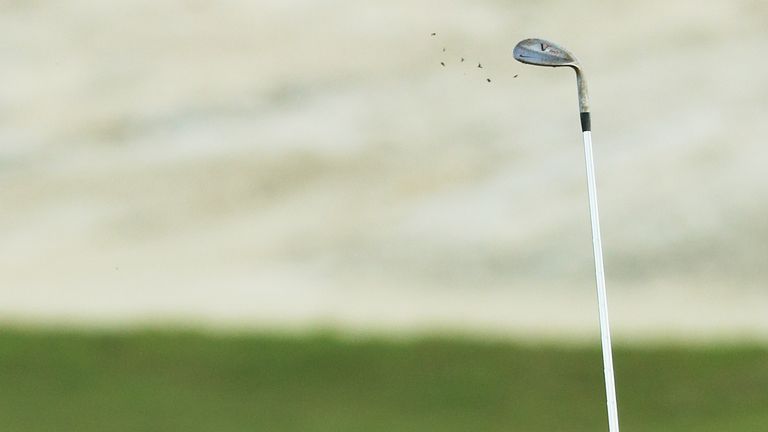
{"x":540,"y":52}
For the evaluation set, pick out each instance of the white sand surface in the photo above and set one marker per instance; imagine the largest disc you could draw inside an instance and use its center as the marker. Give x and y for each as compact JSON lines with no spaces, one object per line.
{"x":294,"y":164}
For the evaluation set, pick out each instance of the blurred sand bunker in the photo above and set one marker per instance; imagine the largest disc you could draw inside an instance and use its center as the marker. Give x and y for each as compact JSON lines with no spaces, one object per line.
{"x":291,"y":164}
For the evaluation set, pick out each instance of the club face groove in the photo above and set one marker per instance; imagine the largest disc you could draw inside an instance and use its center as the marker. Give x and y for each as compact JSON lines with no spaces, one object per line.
{"x":539,"y":52}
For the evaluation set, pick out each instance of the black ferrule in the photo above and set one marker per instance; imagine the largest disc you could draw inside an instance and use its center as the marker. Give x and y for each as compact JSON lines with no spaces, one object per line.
{"x":586,"y":122}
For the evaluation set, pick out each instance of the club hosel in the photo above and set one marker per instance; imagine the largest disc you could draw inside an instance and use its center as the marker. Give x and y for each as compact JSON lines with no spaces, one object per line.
{"x":581,"y":83}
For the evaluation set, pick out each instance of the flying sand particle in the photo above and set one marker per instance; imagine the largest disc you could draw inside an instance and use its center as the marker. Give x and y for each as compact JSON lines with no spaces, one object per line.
{"x":515,"y":76}
{"x":433,"y":34}
{"x":479,"y":66}
{"x":488,"y":79}
{"x":462,"y":59}
{"x":442,"y":64}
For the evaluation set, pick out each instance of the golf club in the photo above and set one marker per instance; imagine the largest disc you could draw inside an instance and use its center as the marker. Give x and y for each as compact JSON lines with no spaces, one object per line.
{"x":539,"y":52}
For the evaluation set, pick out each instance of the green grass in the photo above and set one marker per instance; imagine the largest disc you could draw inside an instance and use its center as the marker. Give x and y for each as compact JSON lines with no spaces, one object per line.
{"x":166,"y":381}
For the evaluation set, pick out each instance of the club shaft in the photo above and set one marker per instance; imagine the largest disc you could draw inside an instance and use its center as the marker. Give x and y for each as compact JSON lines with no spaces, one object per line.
{"x":602,"y":298}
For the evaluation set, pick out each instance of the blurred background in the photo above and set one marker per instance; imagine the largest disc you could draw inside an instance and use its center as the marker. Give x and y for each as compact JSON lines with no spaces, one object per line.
{"x":264,"y":171}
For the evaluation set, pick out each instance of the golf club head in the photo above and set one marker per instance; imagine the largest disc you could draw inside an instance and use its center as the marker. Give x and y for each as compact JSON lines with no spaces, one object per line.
{"x":540,"y":52}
